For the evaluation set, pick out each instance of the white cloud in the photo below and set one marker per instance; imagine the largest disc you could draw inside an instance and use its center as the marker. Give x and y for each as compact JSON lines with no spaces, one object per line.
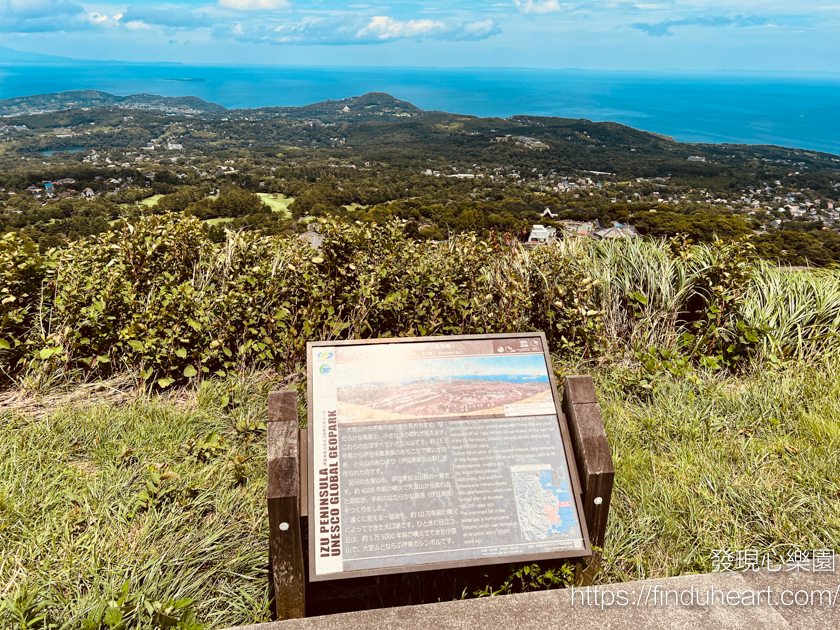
{"x":105,"y":20}
{"x":170,"y":18}
{"x":663,"y":29}
{"x":384,"y":28}
{"x":42,"y":16}
{"x":538,"y":6}
{"x":137,"y":25}
{"x":256,"y":5}
{"x":480,"y":29}
{"x":350,"y":29}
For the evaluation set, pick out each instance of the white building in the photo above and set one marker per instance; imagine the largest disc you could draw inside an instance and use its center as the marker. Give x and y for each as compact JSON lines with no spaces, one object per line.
{"x":542,"y":234}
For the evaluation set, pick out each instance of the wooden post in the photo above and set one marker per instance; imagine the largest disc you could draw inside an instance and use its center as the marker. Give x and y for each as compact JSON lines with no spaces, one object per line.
{"x":592,"y":453}
{"x":284,"y":505}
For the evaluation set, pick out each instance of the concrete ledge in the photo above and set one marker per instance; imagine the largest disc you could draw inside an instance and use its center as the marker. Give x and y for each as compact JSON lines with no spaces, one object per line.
{"x":645,"y":607}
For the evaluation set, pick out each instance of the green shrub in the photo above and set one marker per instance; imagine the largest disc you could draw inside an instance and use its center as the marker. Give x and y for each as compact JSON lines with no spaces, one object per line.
{"x":22,"y":273}
{"x":160,"y":297}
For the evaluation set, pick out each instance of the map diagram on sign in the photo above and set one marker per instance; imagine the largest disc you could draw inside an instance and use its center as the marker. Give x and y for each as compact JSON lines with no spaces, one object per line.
{"x":544,"y":509}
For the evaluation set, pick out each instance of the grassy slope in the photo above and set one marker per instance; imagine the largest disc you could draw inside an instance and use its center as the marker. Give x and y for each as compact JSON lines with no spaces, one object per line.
{"x":726,"y":464}
{"x":738,"y":464}
{"x":68,"y":495}
{"x":151,"y":201}
{"x":277,"y":203}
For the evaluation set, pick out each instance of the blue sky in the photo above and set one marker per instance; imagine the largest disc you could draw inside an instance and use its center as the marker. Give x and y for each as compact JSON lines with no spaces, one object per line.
{"x":763,"y":35}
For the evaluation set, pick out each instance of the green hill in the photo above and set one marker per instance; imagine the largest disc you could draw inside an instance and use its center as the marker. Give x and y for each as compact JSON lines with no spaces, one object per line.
{"x":368,"y":107}
{"x":87,"y":99}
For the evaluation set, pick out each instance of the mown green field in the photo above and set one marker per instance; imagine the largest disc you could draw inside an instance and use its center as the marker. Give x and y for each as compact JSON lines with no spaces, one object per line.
{"x":218,"y":221}
{"x":277,"y":202}
{"x":151,"y":201}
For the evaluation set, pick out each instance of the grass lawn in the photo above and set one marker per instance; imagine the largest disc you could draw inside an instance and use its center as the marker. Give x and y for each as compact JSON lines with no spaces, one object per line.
{"x":277,"y":202}
{"x":151,"y":201}
{"x":218,"y":221}
{"x":75,"y":528}
{"x":723,"y":463}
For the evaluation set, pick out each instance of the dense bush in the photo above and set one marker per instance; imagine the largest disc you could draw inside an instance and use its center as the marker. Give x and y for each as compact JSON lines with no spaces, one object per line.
{"x":22,"y":274}
{"x":161,"y":297}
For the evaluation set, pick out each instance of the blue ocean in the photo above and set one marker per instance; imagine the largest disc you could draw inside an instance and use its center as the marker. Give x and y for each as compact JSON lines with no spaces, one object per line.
{"x":795,"y":110}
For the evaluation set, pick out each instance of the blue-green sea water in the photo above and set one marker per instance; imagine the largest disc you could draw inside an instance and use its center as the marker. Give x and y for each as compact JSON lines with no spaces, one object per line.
{"x":791,"y":110}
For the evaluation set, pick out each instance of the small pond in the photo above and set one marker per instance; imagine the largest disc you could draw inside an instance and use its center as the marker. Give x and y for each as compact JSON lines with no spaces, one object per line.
{"x":67,"y":150}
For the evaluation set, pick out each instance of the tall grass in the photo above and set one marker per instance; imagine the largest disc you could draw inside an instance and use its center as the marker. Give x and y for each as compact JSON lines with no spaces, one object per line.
{"x":646,"y":268}
{"x":723,"y":462}
{"x":73,"y":532}
{"x":802,"y":309}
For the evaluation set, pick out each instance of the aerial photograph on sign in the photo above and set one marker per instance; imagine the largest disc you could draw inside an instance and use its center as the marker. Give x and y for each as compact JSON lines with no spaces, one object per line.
{"x":441,"y":388}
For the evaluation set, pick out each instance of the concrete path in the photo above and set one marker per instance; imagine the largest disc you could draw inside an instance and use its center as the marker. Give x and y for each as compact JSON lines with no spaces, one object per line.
{"x":744,"y":600}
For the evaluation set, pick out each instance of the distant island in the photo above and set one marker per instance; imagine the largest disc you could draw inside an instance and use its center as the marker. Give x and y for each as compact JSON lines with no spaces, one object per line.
{"x":90,"y":99}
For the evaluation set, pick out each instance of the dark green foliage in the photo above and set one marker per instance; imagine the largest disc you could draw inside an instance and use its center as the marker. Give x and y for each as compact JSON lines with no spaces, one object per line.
{"x":178,"y":201}
{"x":162,"y":297}
{"x":22,"y":274}
{"x":698,"y":226}
{"x":818,"y":248}
{"x":530,"y":577}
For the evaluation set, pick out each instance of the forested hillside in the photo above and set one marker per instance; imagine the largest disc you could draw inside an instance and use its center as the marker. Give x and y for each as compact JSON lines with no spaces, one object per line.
{"x":374,"y":158}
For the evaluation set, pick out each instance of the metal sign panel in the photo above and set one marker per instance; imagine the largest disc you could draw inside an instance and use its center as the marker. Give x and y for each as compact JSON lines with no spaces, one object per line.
{"x":437,"y":452}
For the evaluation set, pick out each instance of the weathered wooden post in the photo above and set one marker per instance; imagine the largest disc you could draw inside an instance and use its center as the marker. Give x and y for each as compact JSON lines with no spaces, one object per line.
{"x":284,"y":505}
{"x":592,"y":453}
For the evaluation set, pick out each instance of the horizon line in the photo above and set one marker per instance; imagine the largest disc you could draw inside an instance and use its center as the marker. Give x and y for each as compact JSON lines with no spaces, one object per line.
{"x":67,"y":61}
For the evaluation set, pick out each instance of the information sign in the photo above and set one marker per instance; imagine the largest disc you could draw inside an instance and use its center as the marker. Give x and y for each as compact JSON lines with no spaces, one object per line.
{"x":437,"y":452}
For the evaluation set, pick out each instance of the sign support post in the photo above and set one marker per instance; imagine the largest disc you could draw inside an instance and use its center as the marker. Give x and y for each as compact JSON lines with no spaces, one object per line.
{"x":283,"y":494}
{"x":592,"y":453}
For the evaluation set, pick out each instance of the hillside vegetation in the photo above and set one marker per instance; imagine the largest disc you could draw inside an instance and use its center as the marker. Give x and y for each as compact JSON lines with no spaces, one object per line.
{"x":80,"y":99}
{"x":161,"y":297}
{"x":74,"y":173}
{"x":138,"y":501}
